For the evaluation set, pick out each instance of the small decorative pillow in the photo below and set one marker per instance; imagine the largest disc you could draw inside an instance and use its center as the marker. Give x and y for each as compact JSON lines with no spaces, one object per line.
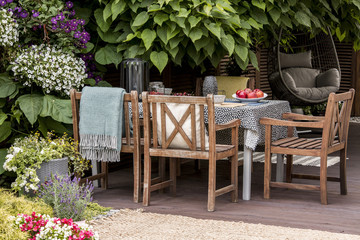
{"x":178,"y":111}
{"x":303,"y":77}
{"x":289,"y":81}
{"x":296,"y":60}
{"x":330,"y":77}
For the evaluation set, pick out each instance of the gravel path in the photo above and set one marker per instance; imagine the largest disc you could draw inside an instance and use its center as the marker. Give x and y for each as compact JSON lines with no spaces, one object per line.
{"x":137,"y":224}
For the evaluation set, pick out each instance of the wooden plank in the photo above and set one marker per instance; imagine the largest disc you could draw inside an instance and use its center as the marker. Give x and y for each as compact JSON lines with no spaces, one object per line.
{"x":294,"y":186}
{"x":284,"y":140}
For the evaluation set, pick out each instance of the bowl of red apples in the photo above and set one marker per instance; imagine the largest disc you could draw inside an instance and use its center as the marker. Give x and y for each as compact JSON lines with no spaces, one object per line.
{"x":248,"y":95}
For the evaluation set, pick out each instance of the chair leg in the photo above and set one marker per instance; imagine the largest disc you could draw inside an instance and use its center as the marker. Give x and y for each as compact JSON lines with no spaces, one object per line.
{"x":173,"y":174}
{"x":267,"y":174}
{"x":137,"y":177}
{"x":343,"y":187}
{"x":178,"y":167}
{"x":323,"y":179}
{"x":289,"y":167}
{"x":104,"y":180}
{"x":161,"y":169}
{"x":147,"y":180}
{"x":234,"y":178}
{"x":212,"y":184}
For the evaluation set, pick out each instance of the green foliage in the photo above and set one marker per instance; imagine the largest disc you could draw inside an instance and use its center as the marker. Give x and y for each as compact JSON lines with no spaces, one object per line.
{"x":10,"y":205}
{"x":27,"y":154}
{"x":197,"y":32}
{"x":94,"y":209}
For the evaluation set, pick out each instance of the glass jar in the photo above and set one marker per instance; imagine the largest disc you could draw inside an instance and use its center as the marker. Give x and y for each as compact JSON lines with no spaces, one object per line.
{"x":156,"y":88}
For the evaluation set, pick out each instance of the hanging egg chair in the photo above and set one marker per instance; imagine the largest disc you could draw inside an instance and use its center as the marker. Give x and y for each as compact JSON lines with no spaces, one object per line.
{"x":303,"y":69}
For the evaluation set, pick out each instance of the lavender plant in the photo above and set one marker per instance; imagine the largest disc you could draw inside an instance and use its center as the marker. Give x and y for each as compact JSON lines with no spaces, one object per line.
{"x":66,"y":196}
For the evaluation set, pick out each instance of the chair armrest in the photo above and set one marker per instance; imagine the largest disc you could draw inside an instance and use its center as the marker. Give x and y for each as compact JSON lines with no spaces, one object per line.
{"x":277,"y":122}
{"x":230,"y":124}
{"x":295,"y":116}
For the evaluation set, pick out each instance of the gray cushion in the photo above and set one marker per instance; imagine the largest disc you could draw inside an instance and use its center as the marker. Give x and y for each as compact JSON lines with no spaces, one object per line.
{"x":316,"y":93}
{"x":329,"y":78}
{"x":295,"y":60}
{"x":289,"y":81}
{"x":303,"y":77}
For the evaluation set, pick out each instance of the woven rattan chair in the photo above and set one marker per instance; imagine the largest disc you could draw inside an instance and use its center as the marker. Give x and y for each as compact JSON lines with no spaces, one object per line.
{"x":130,"y":143}
{"x":324,"y":58}
{"x":335,"y":127}
{"x":178,"y":130}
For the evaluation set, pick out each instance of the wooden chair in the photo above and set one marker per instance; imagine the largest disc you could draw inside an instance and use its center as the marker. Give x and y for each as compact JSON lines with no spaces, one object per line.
{"x":130,"y":144}
{"x":335,"y":127}
{"x":170,"y":124}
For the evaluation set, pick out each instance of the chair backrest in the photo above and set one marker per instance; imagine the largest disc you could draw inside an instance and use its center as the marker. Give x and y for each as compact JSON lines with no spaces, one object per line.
{"x":179,"y":122}
{"x":337,"y":117}
{"x":130,"y":123}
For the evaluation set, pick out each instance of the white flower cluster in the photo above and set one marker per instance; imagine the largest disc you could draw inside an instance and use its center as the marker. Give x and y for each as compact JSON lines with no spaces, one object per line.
{"x":22,"y":180}
{"x":49,"y":68}
{"x":9,"y":33}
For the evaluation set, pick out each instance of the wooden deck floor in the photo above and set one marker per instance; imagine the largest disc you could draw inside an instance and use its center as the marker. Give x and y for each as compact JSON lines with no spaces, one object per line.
{"x":292,"y":208}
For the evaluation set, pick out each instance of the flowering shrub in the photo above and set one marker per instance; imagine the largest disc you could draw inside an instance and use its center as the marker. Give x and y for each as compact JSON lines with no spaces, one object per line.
{"x":9,"y":33}
{"x":27,"y":154}
{"x":67,"y":197}
{"x":49,"y":68}
{"x":44,"y":227}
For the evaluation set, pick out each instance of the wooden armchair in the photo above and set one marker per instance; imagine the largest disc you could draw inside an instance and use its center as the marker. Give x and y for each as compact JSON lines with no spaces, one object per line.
{"x":130,"y":143}
{"x":178,"y":130}
{"x":335,"y":127}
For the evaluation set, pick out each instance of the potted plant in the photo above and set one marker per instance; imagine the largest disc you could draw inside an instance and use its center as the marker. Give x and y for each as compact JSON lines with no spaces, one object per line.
{"x":29,"y":154}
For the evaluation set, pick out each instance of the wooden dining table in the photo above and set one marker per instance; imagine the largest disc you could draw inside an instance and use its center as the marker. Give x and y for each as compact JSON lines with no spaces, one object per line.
{"x":251,"y":132}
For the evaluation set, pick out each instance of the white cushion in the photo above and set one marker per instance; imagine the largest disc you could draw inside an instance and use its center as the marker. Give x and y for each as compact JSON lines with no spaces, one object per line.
{"x":178,"y":111}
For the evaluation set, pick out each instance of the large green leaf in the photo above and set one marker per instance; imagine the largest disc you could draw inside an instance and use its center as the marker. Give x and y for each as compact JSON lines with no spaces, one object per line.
{"x":108,"y":55}
{"x":275,"y":14}
{"x":229,"y":43}
{"x":303,"y":18}
{"x":162,"y":34}
{"x":160,"y":18}
{"x":5,"y":130}
{"x":3,"y":153}
{"x":159,"y":59}
{"x":3,"y":117}
{"x":58,"y":109}
{"x":31,"y":105}
{"x":253,"y":59}
{"x":7,"y":86}
{"x":148,"y":37}
{"x":107,"y":11}
{"x":214,"y":28}
{"x":259,"y":3}
{"x":117,"y":7}
{"x":140,"y":19}
{"x":195,"y":34}
{"x":193,"y":21}
{"x":104,"y":26}
{"x":242,"y":52}
{"x":49,"y":124}
{"x":109,"y":36}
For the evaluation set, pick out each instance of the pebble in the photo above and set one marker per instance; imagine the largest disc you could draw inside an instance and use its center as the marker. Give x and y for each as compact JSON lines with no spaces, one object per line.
{"x":107,"y":214}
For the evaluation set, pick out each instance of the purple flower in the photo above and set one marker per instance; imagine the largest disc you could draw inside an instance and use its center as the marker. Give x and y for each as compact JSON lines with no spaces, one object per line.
{"x":35,"y":13}
{"x":69,"y":4}
{"x":24,"y":14}
{"x":82,"y":22}
{"x":2,"y":3}
{"x":98,"y":79}
{"x":90,"y":75}
{"x":53,"y":20}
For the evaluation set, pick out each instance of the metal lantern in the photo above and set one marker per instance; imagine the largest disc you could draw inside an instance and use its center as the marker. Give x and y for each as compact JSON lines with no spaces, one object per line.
{"x":134,"y":75}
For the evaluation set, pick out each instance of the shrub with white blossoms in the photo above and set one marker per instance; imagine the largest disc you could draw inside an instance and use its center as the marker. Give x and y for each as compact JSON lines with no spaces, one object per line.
{"x":49,"y":68}
{"x":9,"y":33}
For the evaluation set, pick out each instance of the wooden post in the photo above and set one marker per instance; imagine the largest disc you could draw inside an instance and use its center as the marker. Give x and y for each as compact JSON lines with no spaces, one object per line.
{"x":356,"y":83}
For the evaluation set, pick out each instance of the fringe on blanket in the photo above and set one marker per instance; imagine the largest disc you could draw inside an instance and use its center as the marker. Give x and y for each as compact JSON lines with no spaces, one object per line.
{"x":99,"y":148}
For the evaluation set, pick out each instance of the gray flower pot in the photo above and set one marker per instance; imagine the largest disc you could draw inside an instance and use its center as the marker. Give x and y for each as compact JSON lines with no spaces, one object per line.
{"x":58,"y":166}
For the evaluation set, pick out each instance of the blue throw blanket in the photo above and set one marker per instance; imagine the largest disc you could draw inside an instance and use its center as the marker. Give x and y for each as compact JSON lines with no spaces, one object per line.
{"x":101,"y":123}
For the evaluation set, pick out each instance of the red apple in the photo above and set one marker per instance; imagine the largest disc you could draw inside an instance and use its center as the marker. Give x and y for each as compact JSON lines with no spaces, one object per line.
{"x":256,"y":90}
{"x":242,"y":94}
{"x":259,"y":94}
{"x":247,"y":90}
{"x":251,"y":95}
{"x":238,"y":92}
